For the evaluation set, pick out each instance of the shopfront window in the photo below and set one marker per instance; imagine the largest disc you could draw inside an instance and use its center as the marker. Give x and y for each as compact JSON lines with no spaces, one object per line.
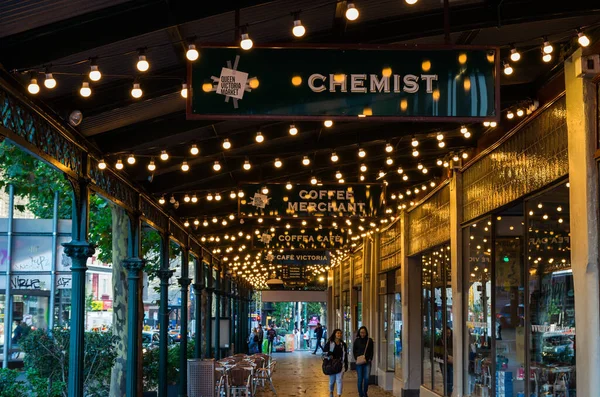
{"x":477,"y":250}
{"x":551,"y":295}
{"x":397,"y":321}
{"x":384,"y":321}
{"x":438,"y":364}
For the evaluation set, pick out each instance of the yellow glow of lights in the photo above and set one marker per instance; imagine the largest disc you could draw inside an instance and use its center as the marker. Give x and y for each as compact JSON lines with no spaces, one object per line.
{"x":119,"y":164}
{"x":515,"y":56}
{"x":207,"y":87}
{"x":254,"y":83}
{"x":583,"y":40}
{"x":293,"y":130}
{"x":389,"y":161}
{"x":328,"y":123}
{"x":510,"y":115}
{"x":151,"y":166}
{"x":361,"y":153}
{"x":426,"y":65}
{"x":136,"y":91}
{"x":185,"y":167}
{"x":306,"y":160}
{"x":313,"y":180}
{"x":386,"y":72}
{"x":467,"y":83}
{"x":217,"y":166}
{"x":142,"y":64}
{"x":101,"y":165}
{"x":164,"y":156}
{"x":288,"y":186}
{"x":245,"y":42}
{"x":351,"y":12}
{"x":33,"y":86}
{"x":546,"y":58}
{"x":95,"y":74}
{"x":278,"y":163}
{"x":298,"y":30}
{"x":131,"y":159}
{"x":547,"y":47}
{"x":403,"y":105}
{"x":363,"y":168}
{"x":296,"y":81}
{"x":161,"y":200}
{"x":194,"y":150}
{"x":334,"y":157}
{"x":49,"y":82}
{"x":247,"y":165}
{"x":85,"y":90}
{"x":192,"y":53}
{"x":415,"y":153}
{"x":184,"y":90}
{"x":226,"y":144}
{"x":462,"y":58}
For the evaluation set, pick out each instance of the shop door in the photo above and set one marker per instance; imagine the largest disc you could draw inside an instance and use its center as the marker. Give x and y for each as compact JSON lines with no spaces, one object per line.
{"x":29,"y":312}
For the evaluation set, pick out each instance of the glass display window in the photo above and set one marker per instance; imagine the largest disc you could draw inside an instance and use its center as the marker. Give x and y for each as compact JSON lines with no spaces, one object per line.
{"x":397,"y":329}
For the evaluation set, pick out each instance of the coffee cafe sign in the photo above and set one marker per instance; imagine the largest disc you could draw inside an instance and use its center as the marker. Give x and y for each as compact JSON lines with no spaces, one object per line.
{"x":299,"y":238}
{"x":307,"y":200}
{"x":380,"y":82}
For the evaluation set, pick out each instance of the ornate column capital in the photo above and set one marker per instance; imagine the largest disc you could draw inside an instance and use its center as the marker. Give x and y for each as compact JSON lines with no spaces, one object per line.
{"x":134,"y":265}
{"x":184,"y":282}
{"x":165,"y":274}
{"x":79,"y":252}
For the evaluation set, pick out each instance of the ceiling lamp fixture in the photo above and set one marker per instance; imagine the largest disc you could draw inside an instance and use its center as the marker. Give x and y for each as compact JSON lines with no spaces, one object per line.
{"x":142,"y":63}
{"x":245,"y":40}
{"x":351,"y":12}
{"x":192,"y":53}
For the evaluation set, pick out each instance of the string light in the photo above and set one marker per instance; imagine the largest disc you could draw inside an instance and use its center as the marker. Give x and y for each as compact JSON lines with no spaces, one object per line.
{"x":334,"y":157}
{"x":363,"y":168}
{"x":465,"y":155}
{"x":142,"y":63}
{"x":131,"y":159}
{"x":95,"y":74}
{"x":194,"y":199}
{"x":546,"y":57}
{"x":119,"y":164}
{"x":361,"y":153}
{"x":313,"y":180}
{"x":187,"y":198}
{"x":293,"y":130}
{"x":184,"y":90}
{"x":164,"y":156}
{"x":467,"y":134}
{"x":101,"y":164}
{"x":414,"y":142}
{"x":241,"y":194}
{"x":520,"y":112}
{"x":226,"y":144}
{"x":185,"y":167}
{"x":338,"y":175}
{"x":510,"y":115}
{"x":217,"y":166}
{"x":362,"y":178}
{"x":217,"y":197}
{"x":415,"y":153}
{"x":247,"y":165}
{"x":328,"y":123}
{"x":259,"y":138}
{"x":278,"y":163}
{"x":33,"y":86}
{"x":186,"y":223}
{"x":515,"y":56}
{"x":389,"y":161}
{"x":85,"y":90}
{"x":136,"y":91}
{"x":547,"y":47}
{"x":49,"y":81}
{"x":400,"y":170}
{"x":351,"y":12}
{"x":507,"y":69}
{"x":232,"y":195}
{"x":192,"y":53}
{"x":151,"y":166}
{"x":209,"y":197}
{"x":583,"y":40}
{"x":298,"y":30}
{"x":306,"y":160}
{"x":245,"y":42}
{"x":288,"y":186}
{"x":389,"y":148}
{"x":194,"y":150}
{"x":162,"y":200}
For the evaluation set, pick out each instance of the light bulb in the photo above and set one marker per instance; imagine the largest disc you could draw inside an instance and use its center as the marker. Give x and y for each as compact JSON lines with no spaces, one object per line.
{"x":85,"y":90}
{"x":185,"y":167}
{"x":414,"y":142}
{"x":440,"y":137}
{"x":215,"y":220}
{"x":246,"y":42}
{"x":187,"y":198}
{"x":520,"y":112}
{"x":510,"y":115}
{"x":131,"y":159}
{"x":455,"y":158}
{"x":420,"y":166}
{"x":119,"y":164}
{"x":463,"y":130}
{"x":515,"y":56}
{"x":33,"y":86}
{"x":486,"y":123}
{"x":49,"y":82}
{"x":547,"y":47}
{"x":164,"y":156}
{"x":288,"y":186}
{"x":405,"y":177}
{"x":218,"y":197}
{"x":389,"y":161}
{"x":226,"y":144}
{"x":411,"y":2}
{"x":546,"y":58}
{"x":439,"y":162}
{"x":381,"y":173}
{"x":151,"y":166}
{"x":192,"y":53}
{"x":232,"y":195}
{"x":313,"y":181}
{"x":362,"y":178}
{"x":361,"y":153}
{"x":247,"y":165}
{"x":465,"y":155}
{"x":338,"y":175}
{"x":205,"y":223}
{"x":334,"y":157}
{"x":351,"y":12}
{"x":493,"y":124}
{"x":194,"y":150}
{"x":142,"y":63}
{"x":162,"y":200}
{"x":328,"y":123}
{"x":415,"y":153}
{"x":363,"y":168}
{"x":207,"y":87}
{"x":467,"y":134}
{"x":209,"y":197}
{"x":194,"y":199}
{"x":259,"y":137}
{"x":583,"y":40}
{"x":341,"y":180}
{"x":293,"y":130}
{"x":184,"y":90}
{"x":136,"y":92}
{"x":101,"y":165}
{"x":95,"y":74}
{"x":298,"y":30}
{"x":400,"y":170}
{"x":507,"y":69}
{"x":278,"y":163}
{"x":186,"y":223}
{"x":306,"y":160}
{"x":217,"y":166}
{"x":389,"y":148}
{"x":241,"y":194}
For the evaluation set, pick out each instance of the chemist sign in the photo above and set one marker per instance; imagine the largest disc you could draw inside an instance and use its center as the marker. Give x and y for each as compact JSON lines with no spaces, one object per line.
{"x":377,"y":82}
{"x":276,"y":200}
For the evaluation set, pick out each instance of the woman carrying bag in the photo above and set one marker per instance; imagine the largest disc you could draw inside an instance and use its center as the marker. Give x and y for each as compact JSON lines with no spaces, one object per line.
{"x":336,"y":361}
{"x":363,"y":353}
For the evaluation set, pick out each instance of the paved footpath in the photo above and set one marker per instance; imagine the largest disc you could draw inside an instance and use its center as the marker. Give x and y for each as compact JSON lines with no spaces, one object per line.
{"x":299,"y":374}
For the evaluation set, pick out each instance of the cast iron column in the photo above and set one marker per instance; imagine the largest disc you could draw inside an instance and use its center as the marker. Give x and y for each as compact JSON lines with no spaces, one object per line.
{"x":208,"y":324}
{"x":198,"y":291}
{"x":184,"y":282}
{"x":134,"y":268}
{"x":164,"y":274}
{"x":218,"y":316}
{"x":79,"y":250}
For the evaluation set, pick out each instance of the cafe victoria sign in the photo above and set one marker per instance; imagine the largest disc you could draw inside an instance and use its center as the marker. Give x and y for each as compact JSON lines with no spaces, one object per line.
{"x":275,"y":200}
{"x":380,"y":82}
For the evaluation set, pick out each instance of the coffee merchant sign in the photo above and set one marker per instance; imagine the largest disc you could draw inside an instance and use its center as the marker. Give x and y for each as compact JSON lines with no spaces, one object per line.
{"x":387,"y":82}
{"x":357,"y":200}
{"x":298,"y":238}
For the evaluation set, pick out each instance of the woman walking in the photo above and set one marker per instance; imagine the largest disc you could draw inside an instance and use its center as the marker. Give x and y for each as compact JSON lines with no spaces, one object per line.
{"x":336,"y":349}
{"x":253,"y":342}
{"x":363,"y":353}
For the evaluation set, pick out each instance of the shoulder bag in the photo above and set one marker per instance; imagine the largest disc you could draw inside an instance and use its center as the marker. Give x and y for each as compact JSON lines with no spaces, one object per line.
{"x":362,"y":360}
{"x":332,"y":366}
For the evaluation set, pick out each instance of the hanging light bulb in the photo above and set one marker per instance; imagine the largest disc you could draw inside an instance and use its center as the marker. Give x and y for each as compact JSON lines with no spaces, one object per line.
{"x":411,"y":2}
{"x":363,"y":168}
{"x":351,"y":12}
{"x":33,"y":86}
{"x":162,"y":200}
{"x":245,"y":40}
{"x":486,"y":123}
{"x":247,"y":165}
{"x":493,"y":124}
{"x":226,"y":144}
{"x":446,"y":164}
{"x":414,"y":142}
{"x":515,"y":56}
{"x":192,"y":53}
{"x":546,"y":57}
{"x":362,"y":178}
{"x":119,"y":164}
{"x":467,"y":134}
{"x":313,"y":180}
{"x":440,"y":137}
{"x":215,"y":220}
{"x":184,"y":90}
{"x":186,"y":223}
{"x":288,"y":186}
{"x":306,"y":160}
{"x":415,"y":153}
{"x":298,"y":30}
{"x":389,"y":148}
{"x":439,"y":162}
{"x":278,"y":163}
{"x":361,"y":153}
{"x":49,"y":81}
{"x":465,"y":155}
{"x":136,"y":91}
{"x":151,"y":166}
{"x":510,"y":115}
{"x":209,"y":197}
{"x":381,"y":173}
{"x":400,"y":170}
{"x":95,"y":74}
{"x":194,"y":150}
{"x":101,"y":164}
{"x":338,"y":175}
{"x":194,"y":199}
{"x":259,"y":137}
{"x":187,"y":198}
{"x":389,"y":161}
{"x":185,"y":167}
{"x":142,"y":63}
{"x":583,"y":40}
{"x":205,"y":223}
{"x":164,"y":156}
{"x":131,"y":159}
{"x":405,"y":177}
{"x":334,"y":157}
{"x":218,"y":197}
{"x":420,"y":166}
{"x":463,"y":130}
{"x":217,"y":166}
{"x":241,"y":194}
{"x":232,"y":195}
{"x":547,"y":47}
{"x":293,"y":130}
{"x":507,"y":69}
{"x":85,"y":90}
{"x":520,"y":112}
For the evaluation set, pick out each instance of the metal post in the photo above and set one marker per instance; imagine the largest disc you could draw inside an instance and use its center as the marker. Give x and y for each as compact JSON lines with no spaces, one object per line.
{"x":79,"y":250}
{"x":53,"y":269}
{"x":184,"y":282}
{"x":7,"y":297}
{"x":209,"y":298}
{"x":218,"y":316}
{"x":164,"y":274}
{"x":198,"y":291}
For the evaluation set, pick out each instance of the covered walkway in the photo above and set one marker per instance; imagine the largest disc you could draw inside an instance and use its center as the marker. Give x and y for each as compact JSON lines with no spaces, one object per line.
{"x":299,"y":374}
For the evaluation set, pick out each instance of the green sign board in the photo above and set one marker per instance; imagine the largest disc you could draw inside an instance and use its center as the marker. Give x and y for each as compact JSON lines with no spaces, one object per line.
{"x":382,"y":82}
{"x":276,"y":200}
{"x":299,"y":238}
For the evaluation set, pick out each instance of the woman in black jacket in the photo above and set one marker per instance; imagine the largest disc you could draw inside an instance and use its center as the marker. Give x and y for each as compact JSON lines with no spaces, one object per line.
{"x":336,"y":348}
{"x":363,"y":346}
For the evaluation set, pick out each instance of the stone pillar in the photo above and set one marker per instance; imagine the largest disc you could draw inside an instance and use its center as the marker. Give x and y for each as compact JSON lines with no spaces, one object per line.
{"x":134,"y":268}
{"x":458,"y":346}
{"x":164,"y":274}
{"x":184,"y":282}
{"x":583,"y":179}
{"x":79,"y":250}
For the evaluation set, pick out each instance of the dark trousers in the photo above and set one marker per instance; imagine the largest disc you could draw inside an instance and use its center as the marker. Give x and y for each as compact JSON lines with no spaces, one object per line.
{"x":260,"y":343}
{"x":362,"y":371}
{"x":269,"y":346}
{"x":318,"y":345}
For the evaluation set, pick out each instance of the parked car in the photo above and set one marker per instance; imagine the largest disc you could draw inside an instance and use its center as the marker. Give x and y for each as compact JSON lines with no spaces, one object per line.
{"x":151,"y":340}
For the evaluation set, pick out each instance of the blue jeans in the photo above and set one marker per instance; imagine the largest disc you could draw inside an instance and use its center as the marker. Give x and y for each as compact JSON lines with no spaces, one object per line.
{"x":337,"y":378}
{"x":363,"y":371}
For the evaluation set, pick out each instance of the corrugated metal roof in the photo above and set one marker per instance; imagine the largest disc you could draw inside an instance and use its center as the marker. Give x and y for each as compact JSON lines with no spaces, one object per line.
{"x":20,"y":15}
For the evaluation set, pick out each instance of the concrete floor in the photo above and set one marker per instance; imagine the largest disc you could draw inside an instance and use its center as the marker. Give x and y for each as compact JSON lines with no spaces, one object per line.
{"x":299,"y":374}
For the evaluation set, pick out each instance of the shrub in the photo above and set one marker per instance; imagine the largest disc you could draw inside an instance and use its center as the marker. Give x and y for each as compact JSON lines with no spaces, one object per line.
{"x":9,"y":386}
{"x":151,"y":360}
